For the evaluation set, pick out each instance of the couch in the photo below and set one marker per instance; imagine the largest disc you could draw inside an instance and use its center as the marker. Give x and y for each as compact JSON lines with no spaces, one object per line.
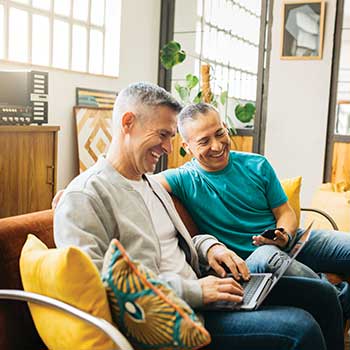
{"x":17,"y":327}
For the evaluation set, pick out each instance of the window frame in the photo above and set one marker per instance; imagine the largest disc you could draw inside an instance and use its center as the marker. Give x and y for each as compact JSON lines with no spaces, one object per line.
{"x":332,"y":137}
{"x":52,"y":16}
{"x":258,"y":132}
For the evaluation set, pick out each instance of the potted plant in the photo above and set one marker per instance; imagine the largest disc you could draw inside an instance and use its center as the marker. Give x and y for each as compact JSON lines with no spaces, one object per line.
{"x":171,"y":54}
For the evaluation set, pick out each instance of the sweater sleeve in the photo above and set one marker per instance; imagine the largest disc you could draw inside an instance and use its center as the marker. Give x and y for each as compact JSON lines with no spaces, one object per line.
{"x":84,"y":228}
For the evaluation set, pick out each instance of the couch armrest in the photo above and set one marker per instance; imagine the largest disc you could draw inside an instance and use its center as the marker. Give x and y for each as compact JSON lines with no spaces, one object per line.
{"x":112,"y":332}
{"x":324,"y":214}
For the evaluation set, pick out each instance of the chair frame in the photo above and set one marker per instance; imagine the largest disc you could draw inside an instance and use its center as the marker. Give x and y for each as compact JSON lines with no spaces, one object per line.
{"x":112,"y":332}
{"x":324,"y":214}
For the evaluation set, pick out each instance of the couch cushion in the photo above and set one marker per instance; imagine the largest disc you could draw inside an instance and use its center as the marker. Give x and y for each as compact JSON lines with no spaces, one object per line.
{"x":145,"y":309}
{"x":15,"y":317}
{"x":70,"y":276}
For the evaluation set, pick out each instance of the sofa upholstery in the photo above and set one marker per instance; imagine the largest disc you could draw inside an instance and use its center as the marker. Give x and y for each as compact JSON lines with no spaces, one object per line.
{"x":17,"y":327}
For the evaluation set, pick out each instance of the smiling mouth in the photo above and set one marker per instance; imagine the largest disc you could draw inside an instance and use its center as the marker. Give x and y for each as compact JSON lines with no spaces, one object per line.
{"x":155,"y":155}
{"x":218,"y":155}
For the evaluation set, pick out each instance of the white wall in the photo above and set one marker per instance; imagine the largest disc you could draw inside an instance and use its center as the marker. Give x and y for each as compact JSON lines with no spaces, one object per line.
{"x":138,"y":62}
{"x":297,"y":111}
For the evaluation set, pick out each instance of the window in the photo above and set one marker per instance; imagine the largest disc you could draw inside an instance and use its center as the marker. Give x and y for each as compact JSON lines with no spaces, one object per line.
{"x":77,"y":35}
{"x":231,"y":36}
{"x":228,"y":36}
{"x":337,"y":164}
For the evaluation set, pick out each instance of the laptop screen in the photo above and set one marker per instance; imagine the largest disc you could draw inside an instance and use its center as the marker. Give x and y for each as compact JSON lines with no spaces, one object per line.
{"x":288,"y":259}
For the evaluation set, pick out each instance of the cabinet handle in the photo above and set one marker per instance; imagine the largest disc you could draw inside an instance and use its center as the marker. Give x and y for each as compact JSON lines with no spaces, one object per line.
{"x":49,"y":174}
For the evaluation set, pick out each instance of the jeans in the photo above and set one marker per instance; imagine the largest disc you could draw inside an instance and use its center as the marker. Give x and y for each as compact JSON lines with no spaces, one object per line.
{"x":299,"y":314}
{"x":325,"y":251}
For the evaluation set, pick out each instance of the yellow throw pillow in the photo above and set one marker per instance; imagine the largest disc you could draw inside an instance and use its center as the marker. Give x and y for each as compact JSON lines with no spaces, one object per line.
{"x":69,"y":276}
{"x":292,"y":189}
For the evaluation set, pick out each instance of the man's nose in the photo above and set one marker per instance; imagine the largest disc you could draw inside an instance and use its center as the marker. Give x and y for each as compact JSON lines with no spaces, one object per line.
{"x":215,"y":145}
{"x":167,"y":146}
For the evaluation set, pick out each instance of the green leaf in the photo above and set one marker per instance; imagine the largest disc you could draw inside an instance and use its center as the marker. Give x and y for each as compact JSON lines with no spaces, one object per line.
{"x":198,"y":98}
{"x":182,"y":152}
{"x":191,"y":81}
{"x":183,"y":92}
{"x":245,"y":113}
{"x":232,"y":131}
{"x":230,"y":126}
{"x":223,"y":97}
{"x":171,"y":54}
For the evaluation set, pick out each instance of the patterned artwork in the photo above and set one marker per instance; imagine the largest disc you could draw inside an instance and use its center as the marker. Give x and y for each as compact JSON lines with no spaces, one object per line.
{"x":95,"y":98}
{"x":93,"y":133}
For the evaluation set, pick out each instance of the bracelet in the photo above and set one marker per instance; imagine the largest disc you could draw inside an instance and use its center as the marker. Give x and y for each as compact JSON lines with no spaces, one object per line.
{"x":290,"y":240}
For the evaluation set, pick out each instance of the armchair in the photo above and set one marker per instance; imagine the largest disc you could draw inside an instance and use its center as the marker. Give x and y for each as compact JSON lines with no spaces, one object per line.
{"x":112,"y":332}
{"x":15,"y":318}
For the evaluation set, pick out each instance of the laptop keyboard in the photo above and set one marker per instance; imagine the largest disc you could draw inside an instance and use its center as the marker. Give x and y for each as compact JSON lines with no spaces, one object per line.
{"x":250,"y":287}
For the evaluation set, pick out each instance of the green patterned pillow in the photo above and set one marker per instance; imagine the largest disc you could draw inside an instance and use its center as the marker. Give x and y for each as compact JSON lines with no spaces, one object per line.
{"x":145,"y":309}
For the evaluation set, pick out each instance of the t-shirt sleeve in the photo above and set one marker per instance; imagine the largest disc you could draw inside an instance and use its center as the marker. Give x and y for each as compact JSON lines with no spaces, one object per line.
{"x":175,"y":181}
{"x":274,"y":191}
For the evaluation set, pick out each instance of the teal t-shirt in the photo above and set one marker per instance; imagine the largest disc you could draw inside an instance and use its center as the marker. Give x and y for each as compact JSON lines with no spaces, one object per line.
{"x":232,"y":204}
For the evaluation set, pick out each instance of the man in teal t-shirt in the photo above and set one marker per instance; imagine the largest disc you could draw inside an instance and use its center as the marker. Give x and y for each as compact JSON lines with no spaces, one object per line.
{"x":233,"y":203}
{"x":235,"y":196}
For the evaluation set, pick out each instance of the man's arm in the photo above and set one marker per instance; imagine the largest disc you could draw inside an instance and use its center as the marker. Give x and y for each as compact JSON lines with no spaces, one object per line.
{"x":79,"y":221}
{"x":211,"y":251}
{"x":286,"y":218}
{"x":160,"y":178}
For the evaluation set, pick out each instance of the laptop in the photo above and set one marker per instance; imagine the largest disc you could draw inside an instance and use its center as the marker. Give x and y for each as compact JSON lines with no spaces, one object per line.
{"x":260,"y":284}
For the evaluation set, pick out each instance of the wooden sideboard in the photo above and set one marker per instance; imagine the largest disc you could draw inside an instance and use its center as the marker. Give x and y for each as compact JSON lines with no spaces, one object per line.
{"x":28,"y":168}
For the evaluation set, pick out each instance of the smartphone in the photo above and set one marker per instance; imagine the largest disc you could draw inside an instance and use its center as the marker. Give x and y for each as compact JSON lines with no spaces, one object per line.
{"x":270,"y":234}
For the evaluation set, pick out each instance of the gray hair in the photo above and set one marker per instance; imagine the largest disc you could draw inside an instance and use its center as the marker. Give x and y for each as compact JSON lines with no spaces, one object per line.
{"x":191,"y":113}
{"x":137,"y":96}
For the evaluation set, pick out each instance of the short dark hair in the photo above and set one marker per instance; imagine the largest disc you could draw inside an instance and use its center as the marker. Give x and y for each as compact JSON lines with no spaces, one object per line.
{"x":191,"y":113}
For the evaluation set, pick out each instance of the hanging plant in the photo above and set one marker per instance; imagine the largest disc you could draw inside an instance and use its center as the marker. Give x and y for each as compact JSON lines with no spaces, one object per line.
{"x":171,"y":54}
{"x":245,"y":113}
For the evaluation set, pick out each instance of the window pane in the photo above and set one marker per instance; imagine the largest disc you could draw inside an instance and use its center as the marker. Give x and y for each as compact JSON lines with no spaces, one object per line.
{"x":22,"y":1}
{"x":2,"y":41}
{"x":42,"y":4}
{"x":96,"y":50}
{"x":40,"y":40}
{"x":112,"y":37}
{"x":62,"y":7}
{"x":18,"y":35}
{"x":60,"y":44}
{"x":97,"y":12}
{"x":79,"y":48}
{"x":81,"y":9}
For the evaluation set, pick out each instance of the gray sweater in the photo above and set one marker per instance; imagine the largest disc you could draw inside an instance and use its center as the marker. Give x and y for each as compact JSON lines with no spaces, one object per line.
{"x":100,"y":205}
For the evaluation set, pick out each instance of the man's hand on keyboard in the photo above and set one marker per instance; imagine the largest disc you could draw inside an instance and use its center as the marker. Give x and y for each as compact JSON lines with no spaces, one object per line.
{"x":219,"y":256}
{"x":220,"y":289}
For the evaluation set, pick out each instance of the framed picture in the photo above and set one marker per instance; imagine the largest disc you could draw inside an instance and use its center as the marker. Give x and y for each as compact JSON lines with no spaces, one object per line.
{"x":94,"y":134}
{"x":302,"y":30}
{"x":95,"y":98}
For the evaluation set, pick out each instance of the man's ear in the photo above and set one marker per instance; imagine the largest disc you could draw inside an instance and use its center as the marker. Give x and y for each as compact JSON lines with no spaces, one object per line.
{"x":128,"y":120}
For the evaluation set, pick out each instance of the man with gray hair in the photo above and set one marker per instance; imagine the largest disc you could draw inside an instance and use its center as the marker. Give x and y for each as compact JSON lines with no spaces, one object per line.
{"x":116,"y":199}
